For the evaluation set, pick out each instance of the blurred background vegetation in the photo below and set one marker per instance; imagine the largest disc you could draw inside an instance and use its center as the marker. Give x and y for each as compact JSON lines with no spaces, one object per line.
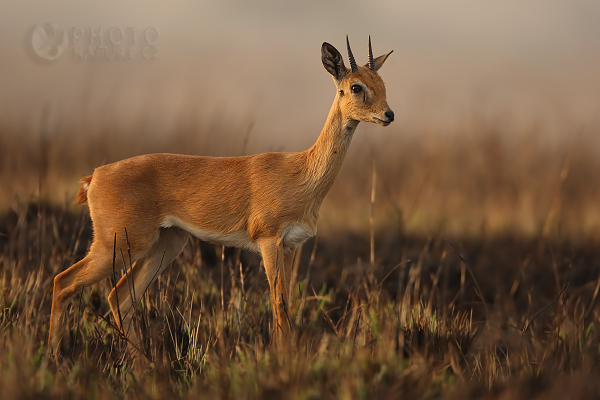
{"x":497,"y":110}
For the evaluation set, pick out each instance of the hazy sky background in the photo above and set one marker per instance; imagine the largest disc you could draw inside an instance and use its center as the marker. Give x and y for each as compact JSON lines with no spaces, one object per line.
{"x":533,"y":62}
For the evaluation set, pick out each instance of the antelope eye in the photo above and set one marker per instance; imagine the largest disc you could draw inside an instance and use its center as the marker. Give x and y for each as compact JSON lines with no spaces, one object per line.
{"x":356,"y":89}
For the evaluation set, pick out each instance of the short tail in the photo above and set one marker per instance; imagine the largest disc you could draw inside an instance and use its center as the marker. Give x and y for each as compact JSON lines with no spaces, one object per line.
{"x":84,"y":185}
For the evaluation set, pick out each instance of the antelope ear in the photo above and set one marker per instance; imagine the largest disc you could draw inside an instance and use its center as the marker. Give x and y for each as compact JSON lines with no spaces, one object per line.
{"x":380,"y":60}
{"x":332,"y":61}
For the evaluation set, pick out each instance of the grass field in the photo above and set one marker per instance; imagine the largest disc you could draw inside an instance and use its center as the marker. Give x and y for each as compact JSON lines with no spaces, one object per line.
{"x":476,"y":278}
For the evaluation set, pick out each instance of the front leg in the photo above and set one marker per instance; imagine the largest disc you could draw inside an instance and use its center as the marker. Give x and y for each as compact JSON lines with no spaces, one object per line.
{"x":278,"y":267}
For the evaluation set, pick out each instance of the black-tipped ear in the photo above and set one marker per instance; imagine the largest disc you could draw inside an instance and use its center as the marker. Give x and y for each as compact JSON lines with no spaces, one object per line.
{"x":332,"y":61}
{"x":380,"y":60}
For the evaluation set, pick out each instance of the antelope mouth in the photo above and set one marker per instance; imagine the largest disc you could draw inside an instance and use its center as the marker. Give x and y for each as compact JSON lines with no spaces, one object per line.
{"x":382,"y":122}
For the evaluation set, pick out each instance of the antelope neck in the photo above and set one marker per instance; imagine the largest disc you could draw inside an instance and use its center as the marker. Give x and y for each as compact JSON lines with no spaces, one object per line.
{"x":325,"y":158}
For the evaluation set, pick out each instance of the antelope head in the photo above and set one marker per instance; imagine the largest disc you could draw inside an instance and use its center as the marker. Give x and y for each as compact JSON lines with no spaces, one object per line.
{"x":360,"y":90}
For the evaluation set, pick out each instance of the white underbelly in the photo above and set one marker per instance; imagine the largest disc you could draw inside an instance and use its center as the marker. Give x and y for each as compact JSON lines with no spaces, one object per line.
{"x":292,"y":236}
{"x":230,"y":239}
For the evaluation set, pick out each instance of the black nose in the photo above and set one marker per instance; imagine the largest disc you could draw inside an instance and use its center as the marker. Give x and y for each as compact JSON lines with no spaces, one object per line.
{"x":389,"y":115}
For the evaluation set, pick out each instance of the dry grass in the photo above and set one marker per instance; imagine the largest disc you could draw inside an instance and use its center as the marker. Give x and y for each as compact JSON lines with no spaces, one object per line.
{"x":483,"y":284}
{"x":516,"y":318}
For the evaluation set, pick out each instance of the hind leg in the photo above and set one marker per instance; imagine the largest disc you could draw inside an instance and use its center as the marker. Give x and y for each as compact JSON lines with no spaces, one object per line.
{"x":94,"y":267}
{"x":169,"y":245}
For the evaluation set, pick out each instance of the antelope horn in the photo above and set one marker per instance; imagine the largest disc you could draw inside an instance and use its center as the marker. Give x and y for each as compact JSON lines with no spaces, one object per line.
{"x":351,"y":57}
{"x":371,"y":62}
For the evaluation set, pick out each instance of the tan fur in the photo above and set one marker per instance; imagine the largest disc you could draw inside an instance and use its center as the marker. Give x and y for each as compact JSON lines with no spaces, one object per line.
{"x":267,"y":202}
